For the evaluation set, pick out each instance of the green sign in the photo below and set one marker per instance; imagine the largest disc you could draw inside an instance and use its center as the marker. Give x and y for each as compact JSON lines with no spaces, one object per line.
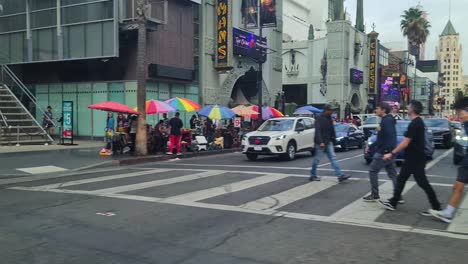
{"x":67,"y":112}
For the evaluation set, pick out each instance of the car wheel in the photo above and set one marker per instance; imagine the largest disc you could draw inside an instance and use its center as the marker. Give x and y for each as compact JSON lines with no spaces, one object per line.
{"x":360,"y":145}
{"x":457,"y":159}
{"x":368,"y":161}
{"x":290,"y":151}
{"x":344,"y":146}
{"x":251,"y":156}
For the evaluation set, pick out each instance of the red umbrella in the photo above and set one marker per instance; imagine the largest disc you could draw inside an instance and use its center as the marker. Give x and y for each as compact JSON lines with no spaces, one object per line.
{"x":113,"y":107}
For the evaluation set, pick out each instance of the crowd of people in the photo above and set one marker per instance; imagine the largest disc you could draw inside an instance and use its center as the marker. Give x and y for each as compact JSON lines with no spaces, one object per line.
{"x":386,"y":149}
{"x":168,"y":134}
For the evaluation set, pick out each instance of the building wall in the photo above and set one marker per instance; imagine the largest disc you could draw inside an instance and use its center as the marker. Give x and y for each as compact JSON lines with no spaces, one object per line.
{"x":449,"y":54}
{"x":91,"y":123}
{"x":308,"y":58}
{"x":217,"y":85}
{"x":298,"y":15}
{"x":340,"y":55}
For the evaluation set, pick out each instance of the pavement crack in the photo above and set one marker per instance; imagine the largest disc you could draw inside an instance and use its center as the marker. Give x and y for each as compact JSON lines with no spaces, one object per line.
{"x":240,"y":230}
{"x":54,"y":205}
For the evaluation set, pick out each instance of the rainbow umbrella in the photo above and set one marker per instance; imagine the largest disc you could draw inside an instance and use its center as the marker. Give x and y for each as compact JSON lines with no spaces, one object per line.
{"x":183,"y":104}
{"x":157,"y":107}
{"x":267,"y":112}
{"x":216,"y":112}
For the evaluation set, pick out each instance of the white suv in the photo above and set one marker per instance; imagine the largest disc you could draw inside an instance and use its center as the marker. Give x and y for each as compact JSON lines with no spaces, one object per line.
{"x":280,"y":136}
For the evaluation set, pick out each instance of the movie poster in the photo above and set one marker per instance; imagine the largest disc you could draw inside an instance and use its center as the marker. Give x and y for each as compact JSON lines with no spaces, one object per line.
{"x":268,"y":13}
{"x":250,"y":13}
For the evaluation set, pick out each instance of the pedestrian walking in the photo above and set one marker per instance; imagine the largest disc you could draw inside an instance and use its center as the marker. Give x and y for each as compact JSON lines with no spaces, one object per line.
{"x":324,"y":138}
{"x":175,"y":125}
{"x":415,"y":160}
{"x":447,"y":214}
{"x":47,"y":122}
{"x":385,"y":143}
{"x":133,"y":131}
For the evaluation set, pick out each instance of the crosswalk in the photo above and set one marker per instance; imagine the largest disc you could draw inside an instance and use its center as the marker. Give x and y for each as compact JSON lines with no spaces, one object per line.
{"x":229,"y":190}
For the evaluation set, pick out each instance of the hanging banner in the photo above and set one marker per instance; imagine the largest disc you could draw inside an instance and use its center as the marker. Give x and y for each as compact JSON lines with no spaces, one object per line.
{"x":223,"y":34}
{"x":250,"y":13}
{"x":67,"y":112}
{"x":372,"y":65}
{"x":268,"y":13}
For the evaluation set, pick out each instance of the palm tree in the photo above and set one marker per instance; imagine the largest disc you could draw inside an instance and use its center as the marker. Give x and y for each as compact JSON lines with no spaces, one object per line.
{"x":141,"y":139}
{"x":414,"y":26}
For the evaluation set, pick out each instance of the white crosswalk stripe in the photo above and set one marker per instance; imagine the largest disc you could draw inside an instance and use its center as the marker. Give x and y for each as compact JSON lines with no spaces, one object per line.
{"x":367,"y":211}
{"x":225,"y":189}
{"x":356,"y":212}
{"x":276,"y":201}
{"x":99,"y":179}
{"x":145,"y":185}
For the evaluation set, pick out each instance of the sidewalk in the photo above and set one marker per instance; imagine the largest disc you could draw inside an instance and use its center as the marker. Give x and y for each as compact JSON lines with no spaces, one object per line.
{"x":79,"y":144}
{"x":57,"y":159}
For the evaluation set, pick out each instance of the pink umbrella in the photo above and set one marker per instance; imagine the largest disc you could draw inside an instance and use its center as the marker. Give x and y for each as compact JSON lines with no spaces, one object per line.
{"x":111,"y":106}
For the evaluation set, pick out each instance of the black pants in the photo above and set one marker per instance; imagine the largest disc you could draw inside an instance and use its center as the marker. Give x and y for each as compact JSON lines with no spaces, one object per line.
{"x":417,"y":169}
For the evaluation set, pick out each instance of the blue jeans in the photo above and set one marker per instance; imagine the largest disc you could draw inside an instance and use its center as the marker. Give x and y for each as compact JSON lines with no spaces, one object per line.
{"x":330,"y":151}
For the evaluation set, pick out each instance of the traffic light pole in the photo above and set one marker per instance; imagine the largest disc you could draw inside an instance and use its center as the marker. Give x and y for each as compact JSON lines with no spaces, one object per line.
{"x":260,"y":80}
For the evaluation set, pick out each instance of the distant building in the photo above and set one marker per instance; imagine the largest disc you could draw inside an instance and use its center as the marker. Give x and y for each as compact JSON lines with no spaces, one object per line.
{"x":465,"y":84}
{"x":449,"y":54}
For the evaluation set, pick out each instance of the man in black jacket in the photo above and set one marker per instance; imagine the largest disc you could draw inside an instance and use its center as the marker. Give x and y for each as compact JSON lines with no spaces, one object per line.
{"x":386,"y":142}
{"x":324,"y":138}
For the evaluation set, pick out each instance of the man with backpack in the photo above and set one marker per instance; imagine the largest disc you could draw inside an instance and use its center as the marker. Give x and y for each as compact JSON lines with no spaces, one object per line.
{"x":386,"y":142}
{"x":415,"y":160}
{"x":446,"y":215}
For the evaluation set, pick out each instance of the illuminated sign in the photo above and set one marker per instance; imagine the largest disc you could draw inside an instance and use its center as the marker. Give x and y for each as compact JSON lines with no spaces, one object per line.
{"x":372,"y":65}
{"x":268,"y":13}
{"x":249,"y":45}
{"x":357,"y":76}
{"x":224,"y":34}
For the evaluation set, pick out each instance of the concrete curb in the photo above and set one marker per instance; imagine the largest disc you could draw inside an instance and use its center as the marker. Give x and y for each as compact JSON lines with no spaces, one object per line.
{"x":145,"y":159}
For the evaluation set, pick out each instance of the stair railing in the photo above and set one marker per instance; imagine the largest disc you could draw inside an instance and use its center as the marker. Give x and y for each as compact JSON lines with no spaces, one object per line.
{"x":8,"y":77}
{"x":6,"y":126}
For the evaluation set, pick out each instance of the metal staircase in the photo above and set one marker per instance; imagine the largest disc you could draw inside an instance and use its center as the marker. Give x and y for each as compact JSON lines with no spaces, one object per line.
{"x":17,"y":125}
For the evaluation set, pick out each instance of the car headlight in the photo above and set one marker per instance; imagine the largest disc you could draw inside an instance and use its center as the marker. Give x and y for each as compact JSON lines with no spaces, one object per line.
{"x":465,"y":138}
{"x":369,"y":142}
{"x":280,"y":137}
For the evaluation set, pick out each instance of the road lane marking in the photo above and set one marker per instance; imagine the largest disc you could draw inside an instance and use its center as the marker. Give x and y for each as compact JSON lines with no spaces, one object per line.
{"x":268,"y":212}
{"x":104,"y":178}
{"x":270,"y":167}
{"x":281,"y":199}
{"x":361,"y":210}
{"x":340,"y":160}
{"x":227,"y":188}
{"x":150,"y":184}
{"x":42,"y":169}
{"x":438,"y":159}
{"x":460,"y":221}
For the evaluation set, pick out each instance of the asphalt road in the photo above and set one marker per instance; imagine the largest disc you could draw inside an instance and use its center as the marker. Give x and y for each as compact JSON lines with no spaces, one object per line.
{"x":225,"y":209}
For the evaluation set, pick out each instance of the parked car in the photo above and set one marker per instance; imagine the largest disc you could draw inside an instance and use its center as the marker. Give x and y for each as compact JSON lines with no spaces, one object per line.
{"x":370,"y":125}
{"x":457,"y":126}
{"x":401,"y":128}
{"x":348,"y":135}
{"x":460,"y":148}
{"x":442,"y":130}
{"x":280,"y":136}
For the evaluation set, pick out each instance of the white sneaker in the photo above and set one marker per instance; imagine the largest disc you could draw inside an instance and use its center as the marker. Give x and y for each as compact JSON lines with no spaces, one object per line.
{"x":169,"y":153}
{"x":179,"y":154}
{"x":440,"y":215}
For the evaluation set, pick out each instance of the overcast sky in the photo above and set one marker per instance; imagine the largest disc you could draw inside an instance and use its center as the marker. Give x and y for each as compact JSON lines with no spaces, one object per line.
{"x":386,"y":16}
